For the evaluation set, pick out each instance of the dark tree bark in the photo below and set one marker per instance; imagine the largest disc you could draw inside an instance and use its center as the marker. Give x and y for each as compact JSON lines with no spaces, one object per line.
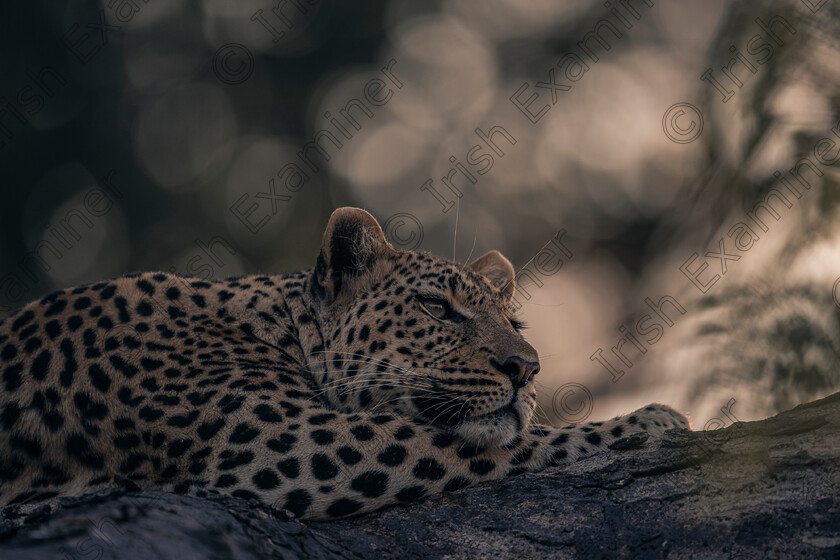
{"x":768,"y":489}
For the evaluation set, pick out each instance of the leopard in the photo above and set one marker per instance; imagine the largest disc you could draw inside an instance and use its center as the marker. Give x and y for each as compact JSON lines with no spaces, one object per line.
{"x":377,"y":377}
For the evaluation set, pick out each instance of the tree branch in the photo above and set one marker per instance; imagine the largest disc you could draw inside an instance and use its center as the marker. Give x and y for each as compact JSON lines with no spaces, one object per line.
{"x":758,"y":489}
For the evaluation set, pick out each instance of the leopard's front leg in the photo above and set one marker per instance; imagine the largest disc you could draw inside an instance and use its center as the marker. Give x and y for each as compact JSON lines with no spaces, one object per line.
{"x":365,"y":461}
{"x":560,"y":445}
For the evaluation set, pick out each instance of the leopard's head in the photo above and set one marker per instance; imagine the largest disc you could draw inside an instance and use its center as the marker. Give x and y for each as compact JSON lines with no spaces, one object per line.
{"x":427,"y":337}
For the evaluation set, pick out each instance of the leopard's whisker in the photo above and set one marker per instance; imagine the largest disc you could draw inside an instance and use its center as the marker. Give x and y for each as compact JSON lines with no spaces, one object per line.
{"x":475,"y":238}
{"x":359,"y":388}
{"x":408,"y":397}
{"x":353,"y":383}
{"x":370,"y":358}
{"x":449,"y":408}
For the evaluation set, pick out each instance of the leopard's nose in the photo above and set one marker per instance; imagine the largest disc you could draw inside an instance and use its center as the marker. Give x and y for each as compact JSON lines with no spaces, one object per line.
{"x":518,"y":369}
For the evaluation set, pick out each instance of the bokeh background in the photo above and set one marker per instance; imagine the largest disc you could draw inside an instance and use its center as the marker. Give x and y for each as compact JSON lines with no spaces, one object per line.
{"x":154,"y":135}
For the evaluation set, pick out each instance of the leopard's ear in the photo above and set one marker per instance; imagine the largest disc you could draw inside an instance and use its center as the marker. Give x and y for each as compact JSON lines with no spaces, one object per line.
{"x":498,"y":270}
{"x":353,"y":242}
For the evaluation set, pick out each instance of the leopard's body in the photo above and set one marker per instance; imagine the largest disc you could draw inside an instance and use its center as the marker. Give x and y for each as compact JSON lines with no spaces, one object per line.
{"x":378,"y":377}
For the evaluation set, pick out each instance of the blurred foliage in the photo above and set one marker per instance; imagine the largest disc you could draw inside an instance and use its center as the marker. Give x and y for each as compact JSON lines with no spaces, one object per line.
{"x":183,"y":143}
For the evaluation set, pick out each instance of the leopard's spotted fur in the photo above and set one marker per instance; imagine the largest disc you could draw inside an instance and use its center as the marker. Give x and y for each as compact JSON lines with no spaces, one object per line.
{"x":378,"y":377}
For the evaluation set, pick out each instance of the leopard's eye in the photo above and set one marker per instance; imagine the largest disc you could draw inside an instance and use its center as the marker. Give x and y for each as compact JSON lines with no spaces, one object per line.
{"x":436,"y":307}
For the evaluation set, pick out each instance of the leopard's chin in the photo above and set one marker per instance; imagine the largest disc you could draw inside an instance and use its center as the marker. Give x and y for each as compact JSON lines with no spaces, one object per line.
{"x":499,"y":428}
